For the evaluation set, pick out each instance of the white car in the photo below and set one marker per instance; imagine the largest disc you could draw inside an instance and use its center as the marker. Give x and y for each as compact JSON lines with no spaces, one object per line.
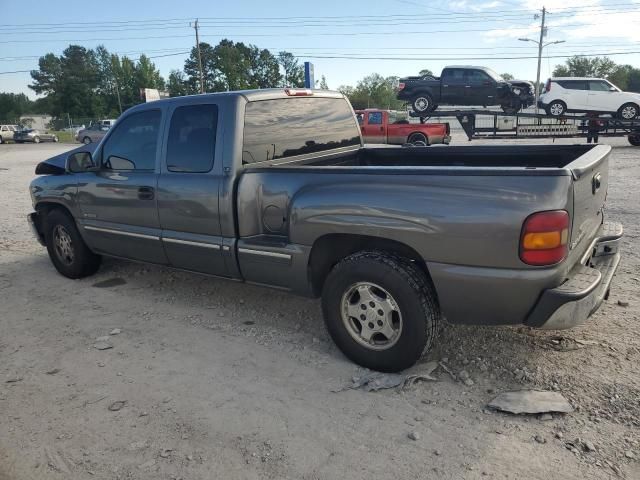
{"x":7,"y":131}
{"x":578,"y":94}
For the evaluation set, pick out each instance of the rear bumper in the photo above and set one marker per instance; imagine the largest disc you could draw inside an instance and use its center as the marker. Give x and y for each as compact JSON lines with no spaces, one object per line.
{"x":573,"y":302}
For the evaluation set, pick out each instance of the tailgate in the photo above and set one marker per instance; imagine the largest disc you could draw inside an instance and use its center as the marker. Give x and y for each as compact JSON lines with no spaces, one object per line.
{"x":590,"y":182}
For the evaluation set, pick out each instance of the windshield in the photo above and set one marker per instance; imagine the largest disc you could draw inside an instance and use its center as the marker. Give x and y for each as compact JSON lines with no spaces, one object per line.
{"x":494,"y":75}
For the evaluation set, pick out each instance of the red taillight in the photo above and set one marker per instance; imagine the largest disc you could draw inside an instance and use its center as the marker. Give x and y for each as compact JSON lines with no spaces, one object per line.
{"x":544,"y":238}
{"x":400,"y":86}
{"x":547,"y":87}
{"x":298,"y":92}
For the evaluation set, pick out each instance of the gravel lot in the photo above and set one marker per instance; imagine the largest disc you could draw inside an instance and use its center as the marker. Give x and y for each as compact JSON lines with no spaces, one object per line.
{"x":213,"y":379}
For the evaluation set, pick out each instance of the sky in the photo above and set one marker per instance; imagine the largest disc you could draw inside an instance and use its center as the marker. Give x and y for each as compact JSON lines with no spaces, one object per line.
{"x":345,"y":40}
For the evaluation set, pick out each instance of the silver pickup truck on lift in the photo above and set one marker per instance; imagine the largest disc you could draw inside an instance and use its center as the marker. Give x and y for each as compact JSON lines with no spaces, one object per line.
{"x":274,"y":187}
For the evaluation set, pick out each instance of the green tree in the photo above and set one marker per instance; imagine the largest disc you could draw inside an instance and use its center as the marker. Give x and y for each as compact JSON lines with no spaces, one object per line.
{"x":71,"y":81}
{"x":13,"y":105}
{"x":600,"y":67}
{"x":265,"y":70}
{"x":373,"y":91}
{"x":293,"y":71}
{"x":147,"y":76}
{"x":323,"y":83}
{"x":178,"y":85}
{"x":507,"y":76}
{"x":209,"y":68}
{"x":424,"y":72}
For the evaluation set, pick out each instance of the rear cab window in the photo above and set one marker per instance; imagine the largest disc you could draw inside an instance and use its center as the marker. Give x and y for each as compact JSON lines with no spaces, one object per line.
{"x":291,"y":127}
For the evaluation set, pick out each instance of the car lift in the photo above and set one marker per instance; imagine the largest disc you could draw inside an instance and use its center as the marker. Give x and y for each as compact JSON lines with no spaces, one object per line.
{"x":489,"y":124}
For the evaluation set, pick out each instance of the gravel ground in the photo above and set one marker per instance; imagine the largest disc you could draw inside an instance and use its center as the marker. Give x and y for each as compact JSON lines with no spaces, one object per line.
{"x":213,"y":379}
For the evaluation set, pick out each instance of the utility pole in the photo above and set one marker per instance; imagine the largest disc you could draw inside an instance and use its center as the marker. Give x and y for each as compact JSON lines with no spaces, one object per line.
{"x":115,"y":79}
{"x":195,"y":26}
{"x":540,"y":45}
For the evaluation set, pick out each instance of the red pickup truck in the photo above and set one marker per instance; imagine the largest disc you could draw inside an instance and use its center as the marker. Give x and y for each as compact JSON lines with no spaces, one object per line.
{"x":388,"y":126}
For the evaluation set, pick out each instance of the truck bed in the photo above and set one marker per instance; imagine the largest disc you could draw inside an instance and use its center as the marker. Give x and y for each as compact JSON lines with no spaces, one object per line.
{"x":530,"y":157}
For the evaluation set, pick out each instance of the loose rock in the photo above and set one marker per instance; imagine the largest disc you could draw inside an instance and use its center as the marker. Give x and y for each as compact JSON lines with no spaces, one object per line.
{"x":531,"y":401}
{"x":545,"y":417}
{"x":540,"y":439}
{"x":623,"y":303}
{"x":115,"y":331}
{"x":102,"y":346}
{"x":629,"y":454}
{"x":103,"y":338}
{"x":53,"y":371}
{"x":414,"y":436}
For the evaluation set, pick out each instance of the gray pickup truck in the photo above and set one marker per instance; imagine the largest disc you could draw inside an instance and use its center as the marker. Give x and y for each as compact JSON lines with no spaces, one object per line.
{"x":274,"y":187}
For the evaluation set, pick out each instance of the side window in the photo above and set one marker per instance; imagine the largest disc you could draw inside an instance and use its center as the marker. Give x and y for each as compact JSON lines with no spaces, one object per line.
{"x":477,"y":76}
{"x":454,"y":74}
{"x":599,"y":86}
{"x":4,"y":129}
{"x":574,"y":84}
{"x":375,"y":118}
{"x":133,"y":144}
{"x":192,"y":138}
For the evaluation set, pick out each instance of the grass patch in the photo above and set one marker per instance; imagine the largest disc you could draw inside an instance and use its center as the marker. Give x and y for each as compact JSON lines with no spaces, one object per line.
{"x":65,"y":137}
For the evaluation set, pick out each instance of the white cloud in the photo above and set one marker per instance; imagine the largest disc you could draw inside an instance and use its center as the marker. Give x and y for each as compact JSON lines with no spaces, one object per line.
{"x":590,"y":21}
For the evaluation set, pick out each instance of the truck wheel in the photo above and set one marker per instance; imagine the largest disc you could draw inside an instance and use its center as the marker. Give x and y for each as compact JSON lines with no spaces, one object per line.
{"x":512,"y":107}
{"x":67,"y":251}
{"x":418,"y":139}
{"x":634,"y":139}
{"x":381,"y":310}
{"x":423,"y":103}
{"x":556,"y":108}
{"x":628,"y":111}
{"x":36,"y":139}
{"x":86,"y":140}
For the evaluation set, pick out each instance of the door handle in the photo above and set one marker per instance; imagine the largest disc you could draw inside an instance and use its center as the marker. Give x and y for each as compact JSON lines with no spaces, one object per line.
{"x":445,"y":85}
{"x":145,"y":193}
{"x":467,"y":86}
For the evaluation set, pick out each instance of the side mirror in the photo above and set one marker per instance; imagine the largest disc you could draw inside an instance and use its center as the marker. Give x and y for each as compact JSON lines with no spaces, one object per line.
{"x":79,"y":162}
{"x":612,"y":89}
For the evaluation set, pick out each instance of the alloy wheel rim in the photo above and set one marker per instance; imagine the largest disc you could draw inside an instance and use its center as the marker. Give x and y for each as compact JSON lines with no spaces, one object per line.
{"x":63,"y":245}
{"x":371,"y":316}
{"x":629,"y":112}
{"x":422,"y":104}
{"x":556,"y":109}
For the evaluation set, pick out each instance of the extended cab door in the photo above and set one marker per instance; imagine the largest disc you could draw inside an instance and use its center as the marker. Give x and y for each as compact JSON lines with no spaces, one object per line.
{"x":373,"y":128}
{"x":118,"y":201}
{"x":188,"y":188}
{"x":453,"y":85}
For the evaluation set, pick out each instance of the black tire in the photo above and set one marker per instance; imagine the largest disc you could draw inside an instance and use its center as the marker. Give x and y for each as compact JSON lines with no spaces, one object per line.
{"x":423,"y":103}
{"x":556,"y":108}
{"x":513,"y":107}
{"x":78,"y":261}
{"x":410,"y":290}
{"x":634,"y":139}
{"x":36,"y":139}
{"x":86,"y":140}
{"x":418,"y":138}
{"x":1,"y":140}
{"x":55,"y":139}
{"x":628,"y":111}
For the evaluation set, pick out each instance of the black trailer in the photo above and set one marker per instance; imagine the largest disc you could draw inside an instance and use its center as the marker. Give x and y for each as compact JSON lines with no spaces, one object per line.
{"x":490,"y":124}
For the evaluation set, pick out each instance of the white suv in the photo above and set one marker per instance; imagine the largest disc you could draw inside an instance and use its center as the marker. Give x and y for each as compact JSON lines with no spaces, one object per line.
{"x":576,"y":94}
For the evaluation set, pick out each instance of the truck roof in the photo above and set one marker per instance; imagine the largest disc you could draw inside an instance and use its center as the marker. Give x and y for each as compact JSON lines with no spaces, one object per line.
{"x":250,"y":95}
